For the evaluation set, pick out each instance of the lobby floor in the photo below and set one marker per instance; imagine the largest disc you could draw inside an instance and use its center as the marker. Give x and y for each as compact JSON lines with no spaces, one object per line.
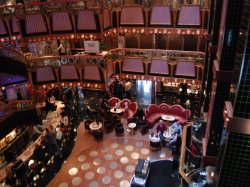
{"x":110,"y":162}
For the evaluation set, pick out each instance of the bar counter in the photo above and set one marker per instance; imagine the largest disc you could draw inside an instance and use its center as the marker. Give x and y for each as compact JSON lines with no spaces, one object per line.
{"x":52,"y":118}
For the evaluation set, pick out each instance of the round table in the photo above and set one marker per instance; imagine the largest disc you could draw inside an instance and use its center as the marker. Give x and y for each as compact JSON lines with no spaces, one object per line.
{"x":117,"y":111}
{"x":167,"y":134}
{"x":95,"y":126}
{"x":168,"y":118}
{"x":132,"y":126}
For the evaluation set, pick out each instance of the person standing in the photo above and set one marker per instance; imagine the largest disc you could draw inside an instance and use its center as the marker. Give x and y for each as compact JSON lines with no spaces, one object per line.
{"x":19,"y":94}
{"x":51,"y":143}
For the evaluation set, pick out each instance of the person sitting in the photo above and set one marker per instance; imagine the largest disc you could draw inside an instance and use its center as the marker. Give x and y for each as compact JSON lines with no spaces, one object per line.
{"x":37,"y":130}
{"x":65,"y":119}
{"x":172,"y":140}
{"x":161,"y":127}
{"x":176,"y":126}
{"x":117,"y":105}
{"x":140,"y":114}
{"x":126,"y":111}
{"x":154,"y":137}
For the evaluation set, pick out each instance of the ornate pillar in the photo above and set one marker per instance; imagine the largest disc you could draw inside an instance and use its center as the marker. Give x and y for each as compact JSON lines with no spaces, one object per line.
{"x":57,"y":75}
{"x":56,"y":66}
{"x":172,"y":65}
{"x":175,"y":5}
{"x":101,"y":20}
{"x":79,"y":69}
{"x":105,"y":74}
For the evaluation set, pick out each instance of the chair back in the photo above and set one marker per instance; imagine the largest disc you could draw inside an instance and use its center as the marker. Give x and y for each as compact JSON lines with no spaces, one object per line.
{"x":119,"y":131}
{"x":155,"y":145}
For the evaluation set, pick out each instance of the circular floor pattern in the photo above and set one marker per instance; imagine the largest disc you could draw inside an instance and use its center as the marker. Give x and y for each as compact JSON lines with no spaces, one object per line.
{"x":135,"y":155}
{"x":101,"y":170}
{"x":130,"y":169}
{"x":119,"y":152}
{"x":76,"y":181}
{"x":64,"y":184}
{"x":139,"y":144}
{"x":114,"y":145}
{"x":124,"y":183}
{"x":118,"y":174}
{"x":89,"y":175}
{"x":94,"y":184}
{"x":81,"y":158}
{"x":106,"y":179}
{"x":129,"y":148}
{"x":108,"y":157}
{"x":124,"y":160}
{"x":101,"y":167}
{"x":104,"y":149}
{"x":73,"y":171}
{"x":85,"y":166}
{"x":145,"y":151}
{"x":124,"y":141}
{"x":113,"y":165}
{"x":97,"y":161}
{"x":93,"y":153}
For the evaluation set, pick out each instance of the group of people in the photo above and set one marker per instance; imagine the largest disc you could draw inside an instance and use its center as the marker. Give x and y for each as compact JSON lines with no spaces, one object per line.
{"x":52,"y":137}
{"x":170,"y":141}
{"x":120,"y":88}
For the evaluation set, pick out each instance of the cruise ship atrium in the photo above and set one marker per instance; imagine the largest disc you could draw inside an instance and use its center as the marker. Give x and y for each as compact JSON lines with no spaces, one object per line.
{"x":124,"y":93}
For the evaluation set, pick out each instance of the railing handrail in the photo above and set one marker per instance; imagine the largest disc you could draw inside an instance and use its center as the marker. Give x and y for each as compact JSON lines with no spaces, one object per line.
{"x":13,"y":107}
{"x":20,"y":55}
{"x":116,"y":50}
{"x":196,"y":156}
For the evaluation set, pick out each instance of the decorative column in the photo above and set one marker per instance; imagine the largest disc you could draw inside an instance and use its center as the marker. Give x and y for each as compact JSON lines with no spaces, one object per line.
{"x":101,"y":20}
{"x":117,"y":11}
{"x":79,"y":69}
{"x":56,"y":67}
{"x":47,"y":15}
{"x":146,"y":10}
{"x":175,"y":5}
{"x":105,"y":74}
{"x":73,"y":18}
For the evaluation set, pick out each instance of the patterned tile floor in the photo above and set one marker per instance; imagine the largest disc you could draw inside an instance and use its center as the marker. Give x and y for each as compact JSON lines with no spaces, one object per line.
{"x":108,"y":163}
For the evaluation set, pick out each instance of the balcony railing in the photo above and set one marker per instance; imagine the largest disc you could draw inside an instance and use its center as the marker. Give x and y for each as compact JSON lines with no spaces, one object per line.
{"x":15,"y":106}
{"x":11,"y":53}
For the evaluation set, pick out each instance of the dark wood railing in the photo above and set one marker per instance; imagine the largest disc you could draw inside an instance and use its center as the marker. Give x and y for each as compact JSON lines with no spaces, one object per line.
{"x":15,"y":106}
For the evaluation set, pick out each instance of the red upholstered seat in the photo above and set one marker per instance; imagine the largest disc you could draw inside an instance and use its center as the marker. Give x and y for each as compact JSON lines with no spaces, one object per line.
{"x":132,"y":106}
{"x":154,"y":112}
{"x":112,"y":101}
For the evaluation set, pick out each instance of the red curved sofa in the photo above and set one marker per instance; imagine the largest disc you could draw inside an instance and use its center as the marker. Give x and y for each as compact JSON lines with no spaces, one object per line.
{"x":132,"y":106}
{"x":154,"y":112}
